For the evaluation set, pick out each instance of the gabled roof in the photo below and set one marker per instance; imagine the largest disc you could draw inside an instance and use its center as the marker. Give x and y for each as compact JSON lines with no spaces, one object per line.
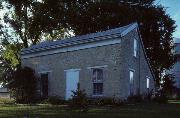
{"x":77,"y":40}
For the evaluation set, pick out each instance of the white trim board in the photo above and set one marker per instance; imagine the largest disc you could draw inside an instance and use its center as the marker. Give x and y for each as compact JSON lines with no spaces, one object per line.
{"x":130,"y":69}
{"x":104,"y":66}
{"x":43,"y":72}
{"x":73,"y":48}
{"x":72,"y":70}
{"x":133,"y":26}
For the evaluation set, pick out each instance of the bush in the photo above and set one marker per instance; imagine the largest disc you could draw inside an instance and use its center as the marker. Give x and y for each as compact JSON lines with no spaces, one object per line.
{"x":7,"y":101}
{"x":106,"y":101}
{"x":23,"y":85}
{"x":79,"y":100}
{"x":135,"y":99}
{"x":160,"y":96}
{"x":101,"y":101}
{"x":54,"y":100}
{"x":178,"y":94}
{"x":161,"y":99}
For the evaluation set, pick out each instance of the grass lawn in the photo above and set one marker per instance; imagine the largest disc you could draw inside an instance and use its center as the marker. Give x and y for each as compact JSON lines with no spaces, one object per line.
{"x":170,"y":110}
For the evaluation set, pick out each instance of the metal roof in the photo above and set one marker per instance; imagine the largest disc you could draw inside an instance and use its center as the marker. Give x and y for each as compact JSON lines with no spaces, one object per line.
{"x":76,"y":40}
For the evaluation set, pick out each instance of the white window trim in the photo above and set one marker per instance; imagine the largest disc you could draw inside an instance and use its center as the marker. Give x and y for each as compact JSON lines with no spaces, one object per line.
{"x":96,"y":67}
{"x":44,"y":72}
{"x":130,"y":69}
{"x":77,"y":69}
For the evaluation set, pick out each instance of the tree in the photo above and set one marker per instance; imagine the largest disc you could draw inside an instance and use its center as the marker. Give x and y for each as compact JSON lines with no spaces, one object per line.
{"x":156,"y":27}
{"x":23,"y":85}
{"x":168,"y":85}
{"x":32,"y":19}
{"x":9,"y":59}
{"x":27,"y":20}
{"x":22,"y":27}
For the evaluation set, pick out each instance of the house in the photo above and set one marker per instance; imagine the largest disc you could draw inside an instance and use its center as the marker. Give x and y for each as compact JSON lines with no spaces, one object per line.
{"x":176,"y":67}
{"x":4,"y":93}
{"x":111,"y":63}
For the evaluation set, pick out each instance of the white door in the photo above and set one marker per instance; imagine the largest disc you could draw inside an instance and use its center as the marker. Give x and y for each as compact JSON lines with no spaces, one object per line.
{"x":72,"y":79}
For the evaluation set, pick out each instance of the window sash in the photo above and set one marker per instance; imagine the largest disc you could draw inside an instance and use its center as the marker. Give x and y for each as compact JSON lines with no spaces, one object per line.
{"x":148,"y":82}
{"x":131,"y":82}
{"x":97,"y":75}
{"x":97,"y":79}
{"x":97,"y":88}
{"x":135,"y":47}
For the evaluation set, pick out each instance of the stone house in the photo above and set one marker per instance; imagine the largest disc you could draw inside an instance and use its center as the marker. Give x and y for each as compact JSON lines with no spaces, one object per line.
{"x":176,"y":67}
{"x":111,"y":63}
{"x":4,"y":93}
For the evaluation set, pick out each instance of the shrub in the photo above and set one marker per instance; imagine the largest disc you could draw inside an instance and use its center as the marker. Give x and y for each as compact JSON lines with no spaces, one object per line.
{"x":178,"y":94}
{"x":54,"y":100}
{"x":106,"y":101}
{"x":161,"y":98}
{"x":23,"y":85}
{"x":7,"y":101}
{"x":101,"y":101}
{"x":135,"y":99}
{"x":79,"y":100}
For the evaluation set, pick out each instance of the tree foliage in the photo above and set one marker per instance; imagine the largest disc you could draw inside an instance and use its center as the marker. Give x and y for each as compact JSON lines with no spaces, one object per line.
{"x":23,"y":85}
{"x":156,"y":27}
{"x":30,"y":21}
{"x":168,"y":86}
{"x":20,"y":27}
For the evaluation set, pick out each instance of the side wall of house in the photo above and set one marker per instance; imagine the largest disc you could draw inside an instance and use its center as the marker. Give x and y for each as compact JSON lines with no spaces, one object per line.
{"x":138,"y":65}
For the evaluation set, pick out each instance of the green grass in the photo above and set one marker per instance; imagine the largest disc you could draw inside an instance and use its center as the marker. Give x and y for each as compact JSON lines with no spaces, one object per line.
{"x":170,"y":110}
{"x":174,"y":101}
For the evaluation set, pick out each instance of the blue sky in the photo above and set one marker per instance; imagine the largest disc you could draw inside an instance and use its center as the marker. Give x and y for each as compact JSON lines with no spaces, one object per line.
{"x":173,"y":9}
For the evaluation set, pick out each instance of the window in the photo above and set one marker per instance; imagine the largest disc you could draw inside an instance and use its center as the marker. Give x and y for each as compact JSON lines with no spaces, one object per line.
{"x":147,"y":82}
{"x":135,"y":48}
{"x":131,"y":82}
{"x":97,"y":79}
